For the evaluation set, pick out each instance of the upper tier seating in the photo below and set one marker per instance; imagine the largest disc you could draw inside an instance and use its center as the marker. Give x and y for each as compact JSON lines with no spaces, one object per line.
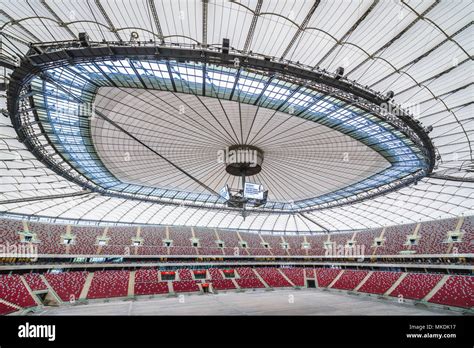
{"x":380,"y":282}
{"x":34,"y":281}
{"x":457,"y":291}
{"x":14,"y":291}
{"x":349,"y":279}
{"x":67,"y":285}
{"x":325,"y":276}
{"x":275,"y":244}
{"x":120,"y":242}
{"x":433,"y":236}
{"x":49,"y":236}
{"x":296,"y":245}
{"x":395,"y":239}
{"x":272,"y":277}
{"x":254,"y":244}
{"x":367,"y":240}
{"x":9,"y":231}
{"x":467,"y":244}
{"x":207,"y":241}
{"x":181,"y":236}
{"x":317,"y":244}
{"x":416,"y":286}
{"x":109,"y":284}
{"x":85,"y":242}
{"x":295,"y":275}
{"x":432,"y":240}
{"x":153,"y":241}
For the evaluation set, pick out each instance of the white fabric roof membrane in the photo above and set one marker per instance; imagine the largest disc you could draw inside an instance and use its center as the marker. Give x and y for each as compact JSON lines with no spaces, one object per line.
{"x":422,"y":50}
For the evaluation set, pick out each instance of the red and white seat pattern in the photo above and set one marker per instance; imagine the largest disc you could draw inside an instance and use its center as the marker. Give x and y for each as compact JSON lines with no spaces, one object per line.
{"x":207,"y":241}
{"x":326,"y":276}
{"x":457,"y":291}
{"x":146,"y":275}
{"x":254,"y":244}
{"x":9,"y":231}
{"x":185,"y":286}
{"x":296,"y":245}
{"x":272,"y":277}
{"x":433,"y":236}
{"x":467,"y":244}
{"x":109,"y":284}
{"x":316,"y":244}
{"x":222,"y":284}
{"x":6,"y":309}
{"x":68,"y":285}
{"x":181,"y":237}
{"x":185,"y":274}
{"x":34,"y":281}
{"x":152,"y":241}
{"x":395,"y":239}
{"x":275,"y":243}
{"x":366,"y":239}
{"x":295,"y":275}
{"x":416,"y":286}
{"x":14,"y":291}
{"x":120,"y":242}
{"x":85,"y":242}
{"x":380,"y":282}
{"x":349,"y":280}
{"x":215,"y":274}
{"x":49,"y":236}
{"x":248,"y":278}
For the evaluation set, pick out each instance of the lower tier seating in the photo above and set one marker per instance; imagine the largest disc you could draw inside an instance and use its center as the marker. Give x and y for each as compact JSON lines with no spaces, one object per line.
{"x":109,"y":284}
{"x":222,"y":284}
{"x":295,"y":275}
{"x":6,"y":309}
{"x":380,"y":282}
{"x":416,"y":286}
{"x":14,"y":291}
{"x":34,"y":281}
{"x":151,"y":288}
{"x":458,"y":291}
{"x":185,"y":286}
{"x":273,"y":277}
{"x":67,"y":285}
{"x":349,"y":280}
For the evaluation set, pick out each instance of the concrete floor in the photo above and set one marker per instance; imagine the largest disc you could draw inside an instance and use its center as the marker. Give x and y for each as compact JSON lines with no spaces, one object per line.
{"x":259,"y":302}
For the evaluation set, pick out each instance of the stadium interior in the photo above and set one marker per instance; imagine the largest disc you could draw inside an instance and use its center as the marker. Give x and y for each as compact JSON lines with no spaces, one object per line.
{"x":247,"y":157}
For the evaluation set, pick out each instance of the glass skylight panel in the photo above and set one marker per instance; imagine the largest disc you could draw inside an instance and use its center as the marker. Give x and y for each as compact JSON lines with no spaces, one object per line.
{"x":221,"y":80}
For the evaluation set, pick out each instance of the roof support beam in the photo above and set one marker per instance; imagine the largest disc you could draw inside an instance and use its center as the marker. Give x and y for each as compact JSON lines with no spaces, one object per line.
{"x":14,"y":22}
{"x":55,"y":15}
{"x":253,"y":25}
{"x":417,"y":59}
{"x":349,"y":32}
{"x":301,"y":28}
{"x":151,"y":4}
{"x":204,"y":22}
{"x":42,"y":198}
{"x":314,"y":222}
{"x":398,"y":36}
{"x":108,"y":20}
